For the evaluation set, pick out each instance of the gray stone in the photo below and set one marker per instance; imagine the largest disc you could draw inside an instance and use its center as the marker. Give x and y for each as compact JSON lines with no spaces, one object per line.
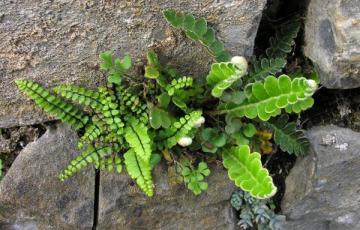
{"x":332,"y":41}
{"x":55,"y":42}
{"x":322,"y":190}
{"x":123,"y":206}
{"x":32,"y":197}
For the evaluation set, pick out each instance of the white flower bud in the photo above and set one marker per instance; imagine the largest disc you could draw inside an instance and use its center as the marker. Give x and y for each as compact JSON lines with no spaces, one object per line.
{"x":185,"y":141}
{"x":199,"y":122}
{"x":312,"y":84}
{"x":240,"y":62}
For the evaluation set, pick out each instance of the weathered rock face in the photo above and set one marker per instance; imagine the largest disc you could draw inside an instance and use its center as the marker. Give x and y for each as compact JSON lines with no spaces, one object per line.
{"x":59,"y":42}
{"x":123,"y":206}
{"x":332,"y":40}
{"x":322,"y":190}
{"x":32,"y":197}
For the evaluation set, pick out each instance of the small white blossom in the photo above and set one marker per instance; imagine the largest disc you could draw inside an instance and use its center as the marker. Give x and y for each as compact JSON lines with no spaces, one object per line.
{"x":240,"y":62}
{"x":312,"y":84}
{"x":185,"y":141}
{"x":199,"y":122}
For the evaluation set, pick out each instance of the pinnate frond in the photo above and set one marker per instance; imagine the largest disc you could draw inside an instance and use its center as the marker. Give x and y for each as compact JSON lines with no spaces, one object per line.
{"x":287,"y":136}
{"x":246,"y":170}
{"x":267,"y":99}
{"x":198,"y":30}
{"x":140,"y":171}
{"x":62,"y":110}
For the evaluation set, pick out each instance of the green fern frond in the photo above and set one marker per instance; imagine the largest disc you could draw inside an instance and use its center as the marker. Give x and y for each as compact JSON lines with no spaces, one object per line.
{"x":246,"y":170}
{"x":132,"y":104}
{"x":287,"y":136}
{"x":178,"y":84}
{"x":281,"y":44}
{"x":169,"y":137}
{"x":136,"y":134}
{"x":109,"y":163}
{"x":66,"y":112}
{"x":111,"y":111}
{"x":222,"y":76}
{"x":265,"y":67}
{"x":91,"y":155}
{"x":92,"y":131}
{"x":198,"y":30}
{"x":265,"y":100}
{"x":140,"y":171}
{"x":80,"y":95}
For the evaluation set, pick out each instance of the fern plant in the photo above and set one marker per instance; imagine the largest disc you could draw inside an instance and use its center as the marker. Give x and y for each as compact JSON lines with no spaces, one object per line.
{"x":135,"y":125}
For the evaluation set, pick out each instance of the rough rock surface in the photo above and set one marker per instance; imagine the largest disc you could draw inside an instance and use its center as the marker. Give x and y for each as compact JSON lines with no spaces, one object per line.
{"x":322,"y":190}
{"x":31,"y":196}
{"x":55,"y":42}
{"x":332,"y":37}
{"x":123,"y":206}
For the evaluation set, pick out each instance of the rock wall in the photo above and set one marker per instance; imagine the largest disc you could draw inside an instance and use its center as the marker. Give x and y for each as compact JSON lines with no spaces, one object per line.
{"x":55,"y":42}
{"x":32,"y":197}
{"x":332,"y":41}
{"x":322,"y":190}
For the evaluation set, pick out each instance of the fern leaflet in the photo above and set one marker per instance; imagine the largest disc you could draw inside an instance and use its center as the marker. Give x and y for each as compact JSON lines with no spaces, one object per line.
{"x":246,"y":170}
{"x":198,"y":30}
{"x":136,"y":134}
{"x":287,"y":136}
{"x":265,"y":100}
{"x":66,"y":112}
{"x":140,"y":171}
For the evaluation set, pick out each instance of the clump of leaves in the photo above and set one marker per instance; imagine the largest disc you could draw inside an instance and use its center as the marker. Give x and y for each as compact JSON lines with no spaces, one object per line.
{"x":255,"y":212}
{"x":135,"y":125}
{"x":194,"y":176}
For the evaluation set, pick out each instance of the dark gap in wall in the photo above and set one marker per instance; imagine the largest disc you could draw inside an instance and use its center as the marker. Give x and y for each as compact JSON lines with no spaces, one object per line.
{"x":334,"y":106}
{"x":14,"y":139}
{"x":96,"y":199}
{"x":276,"y":13}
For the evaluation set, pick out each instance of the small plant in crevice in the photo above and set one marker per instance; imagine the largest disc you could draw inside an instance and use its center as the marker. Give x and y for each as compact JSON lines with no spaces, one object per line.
{"x":136,"y":125}
{"x":255,"y":212}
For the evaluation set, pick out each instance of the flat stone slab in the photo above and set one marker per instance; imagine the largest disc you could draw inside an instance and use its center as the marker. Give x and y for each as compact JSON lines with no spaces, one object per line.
{"x":31,"y":195}
{"x":123,"y":206}
{"x":55,"y":42}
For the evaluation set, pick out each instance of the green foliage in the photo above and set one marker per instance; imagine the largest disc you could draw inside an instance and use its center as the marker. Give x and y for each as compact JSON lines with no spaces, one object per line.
{"x":159,"y":118}
{"x":80,"y":95}
{"x":178,"y":84}
{"x":255,"y":212}
{"x":116,"y":68}
{"x":264,"y":67}
{"x":140,"y":171}
{"x":193,"y":177}
{"x":62,"y":110}
{"x":246,"y":170}
{"x":198,"y":30}
{"x":283,"y":41}
{"x":181,"y":128}
{"x":212,"y":140}
{"x":136,"y":134}
{"x":93,"y":154}
{"x":286,"y":135}
{"x":223,"y":75}
{"x":267,"y":99}
{"x":131,"y":120}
